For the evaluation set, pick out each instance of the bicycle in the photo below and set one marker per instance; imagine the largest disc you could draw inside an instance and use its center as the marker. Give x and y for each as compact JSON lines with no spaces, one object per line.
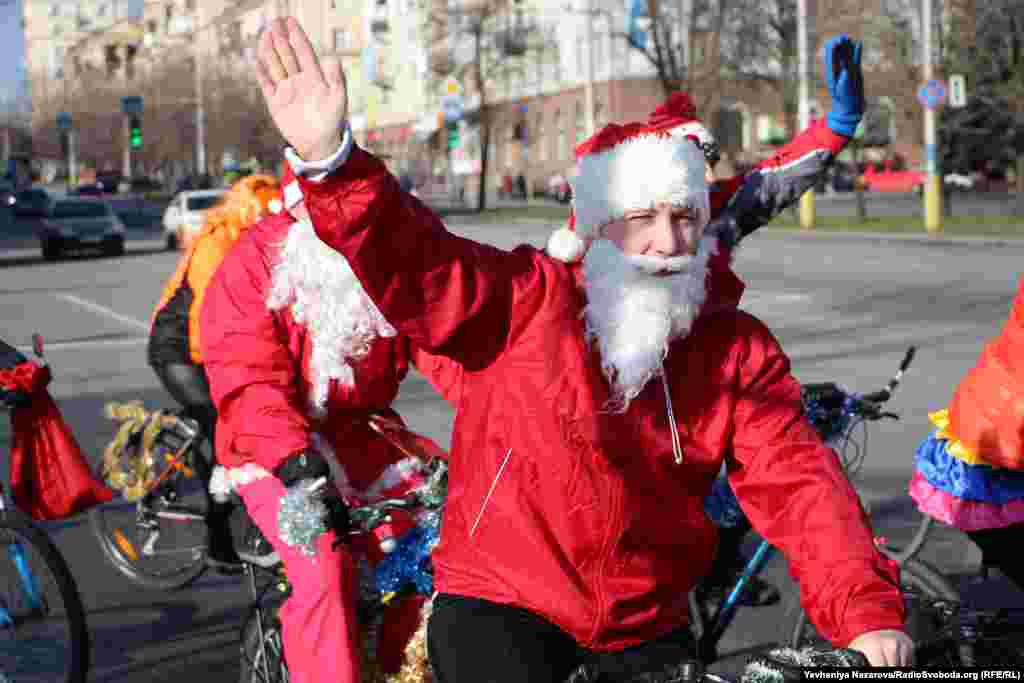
{"x":157,"y":535}
{"x":923,"y":585}
{"x":835,"y":413}
{"x":43,"y":632}
{"x":262,"y":650}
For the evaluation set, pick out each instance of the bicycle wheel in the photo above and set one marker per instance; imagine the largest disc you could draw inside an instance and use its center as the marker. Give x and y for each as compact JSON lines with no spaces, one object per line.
{"x":263,"y":649}
{"x":159,"y":542}
{"x":928,"y":622}
{"x":43,"y":635}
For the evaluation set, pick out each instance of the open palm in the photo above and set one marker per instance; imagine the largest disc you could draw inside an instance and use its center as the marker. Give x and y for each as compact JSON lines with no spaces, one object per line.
{"x":308,"y":103}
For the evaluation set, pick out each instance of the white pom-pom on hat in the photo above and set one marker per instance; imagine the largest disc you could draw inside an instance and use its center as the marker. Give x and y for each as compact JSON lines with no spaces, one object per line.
{"x":565,"y":245}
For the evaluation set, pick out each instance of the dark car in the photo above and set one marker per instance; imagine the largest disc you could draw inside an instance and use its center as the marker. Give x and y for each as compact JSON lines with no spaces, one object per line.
{"x":32,"y":202}
{"x":88,"y":190}
{"x":81,"y":224}
{"x":109,"y":181}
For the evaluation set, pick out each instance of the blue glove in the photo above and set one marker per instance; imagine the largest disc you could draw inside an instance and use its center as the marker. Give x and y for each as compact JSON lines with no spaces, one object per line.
{"x":845,"y":84}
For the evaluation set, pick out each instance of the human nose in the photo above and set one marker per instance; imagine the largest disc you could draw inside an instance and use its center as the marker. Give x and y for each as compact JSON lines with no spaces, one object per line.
{"x":673,"y":237}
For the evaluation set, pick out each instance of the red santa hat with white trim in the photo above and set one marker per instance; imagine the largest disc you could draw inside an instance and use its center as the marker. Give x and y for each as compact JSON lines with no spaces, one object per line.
{"x":627,"y":167}
{"x":678,"y":116}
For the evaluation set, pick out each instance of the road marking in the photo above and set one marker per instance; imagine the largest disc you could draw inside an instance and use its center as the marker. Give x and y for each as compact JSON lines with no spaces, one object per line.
{"x":85,"y":343}
{"x":103,"y":310}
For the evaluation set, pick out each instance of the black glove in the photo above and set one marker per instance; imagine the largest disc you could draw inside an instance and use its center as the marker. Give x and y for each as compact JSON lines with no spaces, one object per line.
{"x":302,"y":465}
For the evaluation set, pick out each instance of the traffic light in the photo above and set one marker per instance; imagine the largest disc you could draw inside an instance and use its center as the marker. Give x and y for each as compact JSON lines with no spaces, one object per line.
{"x":453,"y":135}
{"x":135,"y":133}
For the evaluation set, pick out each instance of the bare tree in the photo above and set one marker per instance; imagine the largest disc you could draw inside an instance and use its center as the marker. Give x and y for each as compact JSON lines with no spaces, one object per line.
{"x":483,"y":44}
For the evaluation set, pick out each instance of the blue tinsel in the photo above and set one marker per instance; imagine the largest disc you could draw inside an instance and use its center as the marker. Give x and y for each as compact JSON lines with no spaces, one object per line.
{"x":409,"y":563}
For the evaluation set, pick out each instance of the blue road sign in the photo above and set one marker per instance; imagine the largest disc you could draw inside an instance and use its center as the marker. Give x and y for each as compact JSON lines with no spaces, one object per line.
{"x":932,"y":94}
{"x":132,"y":105}
{"x":64,"y":121}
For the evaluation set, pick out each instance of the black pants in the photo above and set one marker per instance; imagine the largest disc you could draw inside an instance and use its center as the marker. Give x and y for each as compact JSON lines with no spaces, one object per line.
{"x":188,"y":385}
{"x":1001,"y":548}
{"x":477,"y":641}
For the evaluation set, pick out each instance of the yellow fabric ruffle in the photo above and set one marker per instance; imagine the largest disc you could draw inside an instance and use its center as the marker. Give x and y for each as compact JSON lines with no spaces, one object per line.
{"x":940,"y":418}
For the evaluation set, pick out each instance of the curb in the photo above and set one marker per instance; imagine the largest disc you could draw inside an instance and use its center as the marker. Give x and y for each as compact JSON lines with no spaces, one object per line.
{"x":885,"y":237}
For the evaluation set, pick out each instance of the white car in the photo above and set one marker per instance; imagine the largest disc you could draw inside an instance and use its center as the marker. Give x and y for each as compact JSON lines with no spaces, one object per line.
{"x":184,"y":216}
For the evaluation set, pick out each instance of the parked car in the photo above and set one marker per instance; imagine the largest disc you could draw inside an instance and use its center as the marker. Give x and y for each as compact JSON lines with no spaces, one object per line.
{"x":884,"y":178}
{"x":88,"y":190}
{"x":81,"y":224}
{"x":34,"y":201}
{"x":109,"y":181}
{"x":184,"y":215}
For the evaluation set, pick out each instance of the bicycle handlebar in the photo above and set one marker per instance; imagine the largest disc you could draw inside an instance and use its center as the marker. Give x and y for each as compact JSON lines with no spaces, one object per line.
{"x":883,"y":395}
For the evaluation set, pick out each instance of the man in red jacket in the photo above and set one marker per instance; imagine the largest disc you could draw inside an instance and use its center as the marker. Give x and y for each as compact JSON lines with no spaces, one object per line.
{"x":593,"y":399}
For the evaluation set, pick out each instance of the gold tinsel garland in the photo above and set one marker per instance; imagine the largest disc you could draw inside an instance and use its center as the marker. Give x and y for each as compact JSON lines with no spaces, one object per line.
{"x":130,"y":460}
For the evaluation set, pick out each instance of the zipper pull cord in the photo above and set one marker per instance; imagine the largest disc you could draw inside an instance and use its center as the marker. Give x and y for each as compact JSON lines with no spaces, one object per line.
{"x":677,"y":446}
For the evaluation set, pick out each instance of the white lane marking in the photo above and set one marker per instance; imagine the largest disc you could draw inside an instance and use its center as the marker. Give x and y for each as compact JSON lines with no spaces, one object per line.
{"x":86,"y":343}
{"x":103,"y":310}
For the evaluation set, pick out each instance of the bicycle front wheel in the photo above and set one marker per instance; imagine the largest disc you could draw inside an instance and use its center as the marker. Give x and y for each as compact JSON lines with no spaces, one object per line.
{"x":925,"y":592}
{"x":159,"y":542}
{"x":43,"y":635}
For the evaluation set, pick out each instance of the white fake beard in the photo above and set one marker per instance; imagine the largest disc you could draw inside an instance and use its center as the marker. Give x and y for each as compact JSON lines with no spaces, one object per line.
{"x":327,"y":299}
{"x":634,"y":315}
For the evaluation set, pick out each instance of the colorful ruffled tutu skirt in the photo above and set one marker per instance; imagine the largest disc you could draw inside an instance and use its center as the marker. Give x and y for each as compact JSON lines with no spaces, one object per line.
{"x":955,"y":485}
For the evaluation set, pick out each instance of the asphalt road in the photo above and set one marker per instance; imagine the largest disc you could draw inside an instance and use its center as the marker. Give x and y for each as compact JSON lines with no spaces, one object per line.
{"x":844,"y":308}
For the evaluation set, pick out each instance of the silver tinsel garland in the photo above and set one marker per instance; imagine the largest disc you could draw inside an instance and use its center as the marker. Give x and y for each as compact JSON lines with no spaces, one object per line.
{"x":302,"y":515}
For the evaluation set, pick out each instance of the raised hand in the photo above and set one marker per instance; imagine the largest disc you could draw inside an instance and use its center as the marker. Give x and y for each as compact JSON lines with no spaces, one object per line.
{"x":845,"y":84}
{"x":308,"y":101}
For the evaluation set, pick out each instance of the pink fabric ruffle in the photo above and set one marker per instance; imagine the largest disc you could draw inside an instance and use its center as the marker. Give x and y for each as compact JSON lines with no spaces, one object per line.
{"x":966,"y":515}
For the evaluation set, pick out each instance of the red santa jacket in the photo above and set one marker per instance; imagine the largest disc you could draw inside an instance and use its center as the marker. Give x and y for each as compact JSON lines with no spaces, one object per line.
{"x":259,"y":362}
{"x":582,"y":516}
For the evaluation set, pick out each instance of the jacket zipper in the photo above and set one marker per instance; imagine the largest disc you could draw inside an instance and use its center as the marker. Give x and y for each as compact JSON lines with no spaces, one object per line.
{"x":677,"y":446}
{"x":614,"y":522}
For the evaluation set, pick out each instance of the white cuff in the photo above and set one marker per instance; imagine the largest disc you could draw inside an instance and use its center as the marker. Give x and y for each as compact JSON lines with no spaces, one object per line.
{"x":316,"y":171}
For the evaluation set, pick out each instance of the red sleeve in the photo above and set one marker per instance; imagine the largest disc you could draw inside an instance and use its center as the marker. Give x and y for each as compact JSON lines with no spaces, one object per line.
{"x":448,"y":294}
{"x":795,"y":493}
{"x":253,"y":376}
{"x":818,"y":137}
{"x":444,"y":374}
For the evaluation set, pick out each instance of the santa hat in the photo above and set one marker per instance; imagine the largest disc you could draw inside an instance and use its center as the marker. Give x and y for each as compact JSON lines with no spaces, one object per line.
{"x":678,"y":116}
{"x":623,"y":168}
{"x":290,"y":190}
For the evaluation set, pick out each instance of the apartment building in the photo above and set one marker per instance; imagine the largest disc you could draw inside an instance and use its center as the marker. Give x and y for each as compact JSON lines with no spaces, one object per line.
{"x":542,"y":54}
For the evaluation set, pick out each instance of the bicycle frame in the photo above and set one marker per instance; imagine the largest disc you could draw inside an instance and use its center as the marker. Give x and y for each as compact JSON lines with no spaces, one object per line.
{"x":707,"y":644}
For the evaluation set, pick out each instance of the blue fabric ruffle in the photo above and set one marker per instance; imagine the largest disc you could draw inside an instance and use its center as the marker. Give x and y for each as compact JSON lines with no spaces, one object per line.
{"x":971,"y":482}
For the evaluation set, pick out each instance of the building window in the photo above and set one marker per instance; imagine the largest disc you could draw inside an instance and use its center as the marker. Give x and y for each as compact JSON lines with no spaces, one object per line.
{"x":342,"y":40}
{"x":598,"y":113}
{"x":151,"y":26}
{"x":55,"y":10}
{"x":101,"y":11}
{"x":190,"y":5}
{"x":581,"y":122}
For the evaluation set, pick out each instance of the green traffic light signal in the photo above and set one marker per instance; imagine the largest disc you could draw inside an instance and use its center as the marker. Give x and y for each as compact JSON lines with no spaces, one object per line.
{"x":135,"y":135}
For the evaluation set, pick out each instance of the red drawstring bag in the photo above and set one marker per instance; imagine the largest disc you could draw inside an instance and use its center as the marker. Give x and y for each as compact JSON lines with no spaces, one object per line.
{"x":50,"y":477}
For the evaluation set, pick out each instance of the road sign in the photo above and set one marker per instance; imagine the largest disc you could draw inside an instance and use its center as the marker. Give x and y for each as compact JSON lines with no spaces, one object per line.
{"x":957,"y":91}
{"x":131,"y":106}
{"x":63,"y":121}
{"x":451,"y":86}
{"x":453,"y":107}
{"x":932,"y":94}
